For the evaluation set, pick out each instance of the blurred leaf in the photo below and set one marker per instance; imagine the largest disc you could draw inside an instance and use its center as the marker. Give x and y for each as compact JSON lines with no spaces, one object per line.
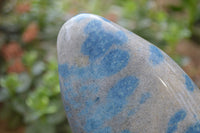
{"x":29,"y":58}
{"x":58,"y":116}
{"x":32,"y":116}
{"x":25,"y":82}
{"x":19,"y":105}
{"x":10,"y":82}
{"x":161,"y":16}
{"x":4,"y":94}
{"x":51,"y":81}
{"x":38,"y":68}
{"x":52,"y":65}
{"x":38,"y":100}
{"x":129,"y":8}
{"x":40,"y":127}
{"x":51,"y":109}
{"x":15,"y":122}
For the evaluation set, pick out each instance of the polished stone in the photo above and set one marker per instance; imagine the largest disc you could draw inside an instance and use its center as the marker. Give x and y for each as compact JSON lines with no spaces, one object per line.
{"x":113,"y":81}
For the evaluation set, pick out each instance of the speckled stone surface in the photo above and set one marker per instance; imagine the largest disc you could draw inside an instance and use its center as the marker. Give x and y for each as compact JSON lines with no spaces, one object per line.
{"x":113,"y":81}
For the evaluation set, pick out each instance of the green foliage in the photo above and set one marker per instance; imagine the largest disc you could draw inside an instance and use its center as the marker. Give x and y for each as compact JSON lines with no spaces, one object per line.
{"x":38,"y":107}
{"x":166,"y":29}
{"x":32,"y":97}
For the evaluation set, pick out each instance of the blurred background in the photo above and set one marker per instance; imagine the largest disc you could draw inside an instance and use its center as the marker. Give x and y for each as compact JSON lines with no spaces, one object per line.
{"x":29,"y":88}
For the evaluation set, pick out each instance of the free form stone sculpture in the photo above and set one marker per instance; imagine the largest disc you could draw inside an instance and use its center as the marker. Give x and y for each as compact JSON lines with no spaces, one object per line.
{"x":113,"y":81}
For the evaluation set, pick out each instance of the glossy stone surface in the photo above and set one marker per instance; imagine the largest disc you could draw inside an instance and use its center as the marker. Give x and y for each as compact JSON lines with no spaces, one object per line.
{"x":113,"y":81}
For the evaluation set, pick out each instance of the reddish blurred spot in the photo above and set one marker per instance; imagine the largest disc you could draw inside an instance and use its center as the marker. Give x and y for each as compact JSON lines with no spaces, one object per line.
{"x":30,"y":33}
{"x":23,"y":8}
{"x":192,"y":51}
{"x":73,"y":11}
{"x":164,"y":4}
{"x":193,"y":72}
{"x":112,"y":17}
{"x":11,"y":51}
{"x":16,"y":66}
{"x":4,"y":127}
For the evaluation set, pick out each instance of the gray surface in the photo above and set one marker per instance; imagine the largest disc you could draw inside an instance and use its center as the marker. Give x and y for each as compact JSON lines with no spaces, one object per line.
{"x":113,"y":81}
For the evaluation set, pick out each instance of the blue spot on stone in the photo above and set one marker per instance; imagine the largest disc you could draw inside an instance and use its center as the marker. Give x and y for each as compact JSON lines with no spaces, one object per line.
{"x":112,"y":63}
{"x":89,"y":103}
{"x":96,"y":45}
{"x":120,"y":38}
{"x":103,"y":112}
{"x":115,"y":102}
{"x":123,"y":88}
{"x":97,"y":99}
{"x":126,"y":131}
{"x":67,"y":109}
{"x":112,"y":108}
{"x":104,"y":130}
{"x":93,"y":123}
{"x":189,"y":84}
{"x":174,"y":120}
{"x":99,"y":40}
{"x":156,"y":56}
{"x":63,"y":70}
{"x":81,"y":73}
{"x":144,"y":97}
{"x":89,"y":89}
{"x":84,"y":112}
{"x":70,"y":94}
{"x":132,"y":111}
{"x":69,"y":115}
{"x":195,"y":128}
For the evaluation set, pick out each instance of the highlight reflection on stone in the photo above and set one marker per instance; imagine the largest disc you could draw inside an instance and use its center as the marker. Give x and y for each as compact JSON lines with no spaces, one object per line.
{"x":113,"y":81}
